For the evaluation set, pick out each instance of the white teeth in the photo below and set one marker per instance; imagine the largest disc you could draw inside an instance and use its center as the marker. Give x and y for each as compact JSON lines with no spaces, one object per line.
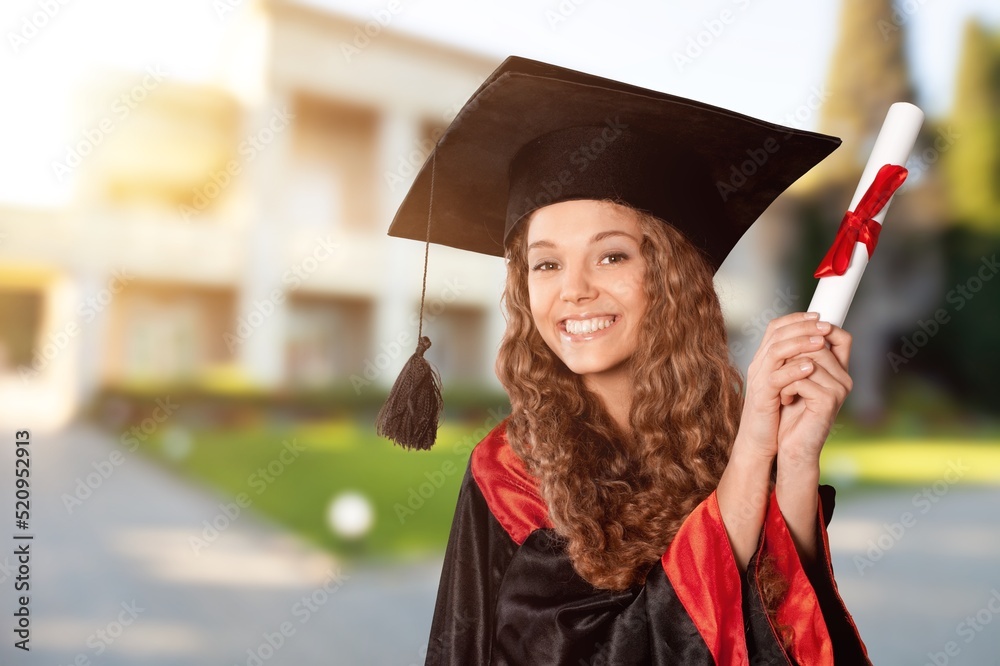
{"x":578,"y":327}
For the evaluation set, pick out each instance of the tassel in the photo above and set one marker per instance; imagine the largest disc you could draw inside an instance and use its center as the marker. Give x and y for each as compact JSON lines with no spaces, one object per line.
{"x":410,"y":414}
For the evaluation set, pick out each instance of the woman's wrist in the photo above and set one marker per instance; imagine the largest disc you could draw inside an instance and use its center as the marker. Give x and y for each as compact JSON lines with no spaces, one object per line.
{"x":743,"y":494}
{"x":796,"y":490}
{"x":800,"y":462}
{"x":756,"y":452}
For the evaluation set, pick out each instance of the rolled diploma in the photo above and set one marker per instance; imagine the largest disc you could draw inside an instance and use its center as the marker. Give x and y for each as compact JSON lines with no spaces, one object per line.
{"x":895,"y":140}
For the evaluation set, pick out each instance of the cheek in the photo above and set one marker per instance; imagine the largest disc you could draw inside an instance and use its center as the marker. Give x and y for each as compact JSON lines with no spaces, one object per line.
{"x":629,"y":290}
{"x":536,"y":318}
{"x":539,"y":301}
{"x":638,"y":295}
{"x":639,"y":284}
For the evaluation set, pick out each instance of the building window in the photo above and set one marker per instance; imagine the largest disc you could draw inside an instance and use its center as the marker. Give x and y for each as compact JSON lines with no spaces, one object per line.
{"x":169,"y":332}
{"x":20,"y":319}
{"x":457,"y":337}
{"x":329,"y":339}
{"x":333,"y":163}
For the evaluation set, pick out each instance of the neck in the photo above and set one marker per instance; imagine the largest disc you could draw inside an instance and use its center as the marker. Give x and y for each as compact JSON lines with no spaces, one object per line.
{"x":615,"y":392}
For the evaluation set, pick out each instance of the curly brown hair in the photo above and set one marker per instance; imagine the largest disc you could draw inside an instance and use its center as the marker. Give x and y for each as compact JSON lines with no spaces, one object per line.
{"x":618,"y":498}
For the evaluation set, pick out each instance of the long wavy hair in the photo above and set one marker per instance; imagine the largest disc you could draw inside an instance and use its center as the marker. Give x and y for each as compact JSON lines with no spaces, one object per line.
{"x":618,"y":498}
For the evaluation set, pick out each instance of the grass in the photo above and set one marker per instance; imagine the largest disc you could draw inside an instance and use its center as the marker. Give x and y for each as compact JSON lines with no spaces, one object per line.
{"x":911,"y":462}
{"x":413,"y":493}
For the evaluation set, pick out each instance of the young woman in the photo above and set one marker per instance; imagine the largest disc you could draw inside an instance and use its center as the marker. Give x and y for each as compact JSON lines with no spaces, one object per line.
{"x":635,"y":507}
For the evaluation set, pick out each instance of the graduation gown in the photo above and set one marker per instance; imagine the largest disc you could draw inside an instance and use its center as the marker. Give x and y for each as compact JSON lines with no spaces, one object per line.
{"x":509,"y":594}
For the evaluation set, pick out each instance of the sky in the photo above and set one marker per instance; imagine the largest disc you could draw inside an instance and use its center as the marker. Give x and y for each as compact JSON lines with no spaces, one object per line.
{"x":761,"y":57}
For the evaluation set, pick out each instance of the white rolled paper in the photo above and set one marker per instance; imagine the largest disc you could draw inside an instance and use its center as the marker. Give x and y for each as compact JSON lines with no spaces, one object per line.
{"x":834,"y":294}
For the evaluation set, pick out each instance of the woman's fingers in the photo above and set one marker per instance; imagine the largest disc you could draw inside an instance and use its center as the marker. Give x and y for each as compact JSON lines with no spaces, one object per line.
{"x":783,"y":350}
{"x":777,"y":347}
{"x":832,"y":357}
{"x":826,"y":358}
{"x":818,"y":384}
{"x":787,"y":338}
{"x":840,"y":344}
{"x":799,"y":346}
{"x":788,"y":374}
{"x":782,"y":329}
{"x":778,"y":327}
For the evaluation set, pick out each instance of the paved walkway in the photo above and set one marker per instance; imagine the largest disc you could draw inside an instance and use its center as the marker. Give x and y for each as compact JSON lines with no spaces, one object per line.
{"x":912,"y":571}
{"x":118,"y":582}
{"x":129,"y":543}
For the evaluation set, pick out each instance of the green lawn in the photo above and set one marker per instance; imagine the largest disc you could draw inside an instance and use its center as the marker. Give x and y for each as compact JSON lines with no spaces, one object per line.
{"x":413,"y":493}
{"x":911,"y":461}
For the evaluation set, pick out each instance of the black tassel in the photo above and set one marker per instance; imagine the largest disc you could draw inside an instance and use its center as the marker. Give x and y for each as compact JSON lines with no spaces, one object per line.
{"x":410,"y":414}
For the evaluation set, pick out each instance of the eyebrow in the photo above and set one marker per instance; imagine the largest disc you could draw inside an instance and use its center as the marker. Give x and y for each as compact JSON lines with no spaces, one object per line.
{"x":599,"y":236}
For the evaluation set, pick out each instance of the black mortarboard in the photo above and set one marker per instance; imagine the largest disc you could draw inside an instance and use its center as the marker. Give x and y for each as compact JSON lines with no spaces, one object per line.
{"x":535,"y":134}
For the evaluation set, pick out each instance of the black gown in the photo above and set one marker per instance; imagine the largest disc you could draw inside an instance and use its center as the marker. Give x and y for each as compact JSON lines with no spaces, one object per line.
{"x":509,"y":594}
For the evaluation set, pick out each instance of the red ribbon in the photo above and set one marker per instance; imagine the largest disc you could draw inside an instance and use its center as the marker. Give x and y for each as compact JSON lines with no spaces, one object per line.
{"x":858,"y":224}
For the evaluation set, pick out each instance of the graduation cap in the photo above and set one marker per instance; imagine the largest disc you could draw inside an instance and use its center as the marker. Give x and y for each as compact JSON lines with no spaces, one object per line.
{"x":535,"y":134}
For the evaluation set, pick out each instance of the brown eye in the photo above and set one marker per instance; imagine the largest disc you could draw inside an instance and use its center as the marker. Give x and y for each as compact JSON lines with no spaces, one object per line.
{"x":618,"y":258}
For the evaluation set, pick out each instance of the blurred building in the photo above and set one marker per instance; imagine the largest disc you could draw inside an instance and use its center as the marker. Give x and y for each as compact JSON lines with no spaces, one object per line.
{"x":228,"y":238}
{"x":232,"y":235}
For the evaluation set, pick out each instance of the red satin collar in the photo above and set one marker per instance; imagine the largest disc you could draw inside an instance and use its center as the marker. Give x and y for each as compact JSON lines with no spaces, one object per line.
{"x":510,"y":491}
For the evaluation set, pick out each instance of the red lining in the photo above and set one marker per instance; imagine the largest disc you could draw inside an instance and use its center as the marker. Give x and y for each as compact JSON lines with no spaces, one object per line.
{"x":800,"y":609}
{"x":700,"y":565}
{"x":510,"y":491}
{"x":699,"y":562}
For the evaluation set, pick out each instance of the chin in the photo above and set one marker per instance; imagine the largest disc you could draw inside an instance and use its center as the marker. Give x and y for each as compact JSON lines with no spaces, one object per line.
{"x":594,"y":367}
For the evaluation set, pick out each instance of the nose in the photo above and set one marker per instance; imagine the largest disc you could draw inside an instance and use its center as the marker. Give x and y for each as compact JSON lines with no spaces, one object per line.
{"x":577,"y":285}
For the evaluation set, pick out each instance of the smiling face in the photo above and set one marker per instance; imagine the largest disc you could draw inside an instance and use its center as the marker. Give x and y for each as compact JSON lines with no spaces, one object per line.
{"x":585,"y":285}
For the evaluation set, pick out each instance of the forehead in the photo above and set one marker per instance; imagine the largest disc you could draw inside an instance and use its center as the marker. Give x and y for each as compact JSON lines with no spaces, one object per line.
{"x":576,"y":222}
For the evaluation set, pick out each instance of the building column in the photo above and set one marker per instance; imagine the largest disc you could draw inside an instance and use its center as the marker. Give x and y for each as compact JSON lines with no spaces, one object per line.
{"x":44,"y":394}
{"x":399,"y":290}
{"x":262,"y":302}
{"x":93,"y":356}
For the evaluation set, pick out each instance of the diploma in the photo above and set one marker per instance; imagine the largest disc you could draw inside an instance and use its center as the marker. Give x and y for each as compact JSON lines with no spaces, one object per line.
{"x":842,"y":267}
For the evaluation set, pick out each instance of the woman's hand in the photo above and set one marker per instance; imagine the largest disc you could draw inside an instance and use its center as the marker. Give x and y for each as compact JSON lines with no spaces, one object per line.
{"x":795,"y":386}
{"x":781,"y":369}
{"x":810,"y":404}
